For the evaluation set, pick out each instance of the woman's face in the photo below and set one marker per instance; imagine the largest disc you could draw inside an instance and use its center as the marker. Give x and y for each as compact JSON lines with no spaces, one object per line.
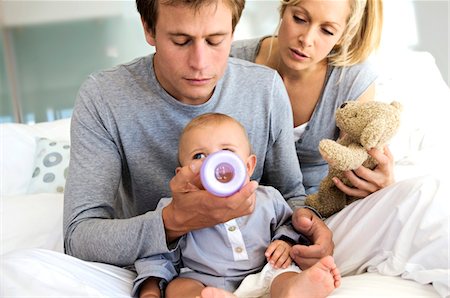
{"x":309,"y":31}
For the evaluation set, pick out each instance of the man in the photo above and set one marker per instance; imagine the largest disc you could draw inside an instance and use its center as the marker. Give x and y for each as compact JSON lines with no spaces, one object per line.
{"x":124,"y":140}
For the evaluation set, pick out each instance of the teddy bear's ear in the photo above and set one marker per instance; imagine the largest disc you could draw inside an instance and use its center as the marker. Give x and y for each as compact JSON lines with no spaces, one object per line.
{"x":373,"y":133}
{"x":397,"y":105}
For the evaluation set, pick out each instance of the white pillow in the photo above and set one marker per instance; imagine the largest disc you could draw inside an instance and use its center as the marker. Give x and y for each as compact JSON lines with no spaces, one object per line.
{"x":17,"y":150}
{"x":51,"y":163}
{"x":425,"y":98}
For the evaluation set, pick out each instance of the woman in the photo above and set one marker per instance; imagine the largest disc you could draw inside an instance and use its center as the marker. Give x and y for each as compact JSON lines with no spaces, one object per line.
{"x":321,"y":53}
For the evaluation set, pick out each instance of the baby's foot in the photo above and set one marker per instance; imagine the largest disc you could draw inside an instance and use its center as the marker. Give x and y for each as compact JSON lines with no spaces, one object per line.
{"x":210,"y":292}
{"x":318,"y":281}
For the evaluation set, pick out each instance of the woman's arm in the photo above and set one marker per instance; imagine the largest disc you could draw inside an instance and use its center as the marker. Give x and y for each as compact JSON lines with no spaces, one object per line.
{"x":364,"y":180}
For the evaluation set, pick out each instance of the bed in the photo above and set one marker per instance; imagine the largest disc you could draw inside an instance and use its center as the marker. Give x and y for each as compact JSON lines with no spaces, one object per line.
{"x":32,"y":211}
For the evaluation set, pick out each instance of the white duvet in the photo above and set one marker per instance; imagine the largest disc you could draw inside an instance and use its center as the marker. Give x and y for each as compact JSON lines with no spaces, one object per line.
{"x":38,"y":273}
{"x":35,"y":221}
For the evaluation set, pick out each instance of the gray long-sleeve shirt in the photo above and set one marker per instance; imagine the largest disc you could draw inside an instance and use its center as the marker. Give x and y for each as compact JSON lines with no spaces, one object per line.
{"x":124,"y":139}
{"x":342,"y":84}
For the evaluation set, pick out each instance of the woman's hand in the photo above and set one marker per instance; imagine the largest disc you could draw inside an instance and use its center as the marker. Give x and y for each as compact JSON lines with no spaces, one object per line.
{"x":366,"y":181}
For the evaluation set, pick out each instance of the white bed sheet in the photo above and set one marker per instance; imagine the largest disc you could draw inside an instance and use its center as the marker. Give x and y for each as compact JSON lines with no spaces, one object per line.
{"x":38,"y":273}
{"x":35,"y":221}
{"x":32,"y":220}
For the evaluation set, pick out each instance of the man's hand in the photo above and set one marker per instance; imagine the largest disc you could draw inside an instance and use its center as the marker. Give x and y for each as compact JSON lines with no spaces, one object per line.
{"x":366,"y":181}
{"x":193,"y":208}
{"x":305,"y":221}
{"x":277,"y":254}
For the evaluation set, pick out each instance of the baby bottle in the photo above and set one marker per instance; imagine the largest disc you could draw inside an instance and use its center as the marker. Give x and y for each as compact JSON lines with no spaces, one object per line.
{"x":223,"y":173}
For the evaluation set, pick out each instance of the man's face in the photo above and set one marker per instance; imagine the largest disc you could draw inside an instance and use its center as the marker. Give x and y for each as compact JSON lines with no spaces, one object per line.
{"x":192,"y":49}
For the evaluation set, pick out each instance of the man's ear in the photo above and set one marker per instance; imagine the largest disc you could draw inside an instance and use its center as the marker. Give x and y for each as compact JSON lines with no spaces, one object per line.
{"x":250,"y":164}
{"x":149,"y":35}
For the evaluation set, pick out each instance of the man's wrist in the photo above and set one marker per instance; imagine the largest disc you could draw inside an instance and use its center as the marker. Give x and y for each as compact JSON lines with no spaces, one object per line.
{"x":171,"y":225}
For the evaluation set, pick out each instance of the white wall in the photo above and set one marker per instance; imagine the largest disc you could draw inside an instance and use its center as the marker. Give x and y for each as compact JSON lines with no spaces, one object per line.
{"x":421,"y":25}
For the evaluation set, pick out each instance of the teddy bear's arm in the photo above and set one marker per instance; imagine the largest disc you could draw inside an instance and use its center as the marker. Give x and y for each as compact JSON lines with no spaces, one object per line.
{"x":341,"y":157}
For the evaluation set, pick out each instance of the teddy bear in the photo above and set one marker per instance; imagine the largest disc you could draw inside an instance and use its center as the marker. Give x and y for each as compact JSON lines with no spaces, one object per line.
{"x":363,"y":125}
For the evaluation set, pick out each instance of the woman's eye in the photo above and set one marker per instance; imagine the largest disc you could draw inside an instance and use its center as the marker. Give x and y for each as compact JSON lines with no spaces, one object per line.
{"x":299,"y":20}
{"x":328,"y":32}
{"x":199,"y":156}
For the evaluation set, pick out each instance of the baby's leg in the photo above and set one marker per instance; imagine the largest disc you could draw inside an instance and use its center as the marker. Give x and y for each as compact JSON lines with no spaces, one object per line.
{"x":184,"y":287}
{"x":315,"y":282}
{"x":210,"y":292}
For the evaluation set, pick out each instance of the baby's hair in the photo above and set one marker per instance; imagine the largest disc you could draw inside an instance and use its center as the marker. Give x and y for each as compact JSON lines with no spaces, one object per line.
{"x":362,"y":34}
{"x":212,"y":119}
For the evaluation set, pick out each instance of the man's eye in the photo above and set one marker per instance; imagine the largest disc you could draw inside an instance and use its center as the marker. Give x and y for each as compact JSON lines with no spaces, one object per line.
{"x":214,"y":42}
{"x":181,"y":42}
{"x":199,"y":156}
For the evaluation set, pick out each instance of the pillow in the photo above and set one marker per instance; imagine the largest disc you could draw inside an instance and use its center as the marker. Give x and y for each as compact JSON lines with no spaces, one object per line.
{"x":51,"y":162}
{"x":17,"y":150}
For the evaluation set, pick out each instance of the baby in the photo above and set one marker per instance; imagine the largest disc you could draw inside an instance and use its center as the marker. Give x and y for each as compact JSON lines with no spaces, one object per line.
{"x":216,"y":260}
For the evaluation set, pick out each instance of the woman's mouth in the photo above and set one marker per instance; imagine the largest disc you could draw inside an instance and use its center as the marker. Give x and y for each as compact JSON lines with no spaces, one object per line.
{"x":299,"y":54}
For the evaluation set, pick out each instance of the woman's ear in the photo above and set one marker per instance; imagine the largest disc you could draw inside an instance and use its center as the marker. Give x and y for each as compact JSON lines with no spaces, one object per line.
{"x":149,"y":35}
{"x":250,"y":164}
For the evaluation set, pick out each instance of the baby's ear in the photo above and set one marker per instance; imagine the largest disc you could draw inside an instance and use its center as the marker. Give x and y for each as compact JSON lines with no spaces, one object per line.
{"x":250,"y":164}
{"x":177,"y":170}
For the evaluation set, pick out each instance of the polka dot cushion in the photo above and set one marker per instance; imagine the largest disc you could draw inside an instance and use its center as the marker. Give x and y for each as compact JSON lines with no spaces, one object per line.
{"x":51,"y":164}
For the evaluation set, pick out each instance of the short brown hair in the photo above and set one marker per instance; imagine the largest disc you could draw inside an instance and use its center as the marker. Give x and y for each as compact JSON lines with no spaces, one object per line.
{"x":148,"y":9}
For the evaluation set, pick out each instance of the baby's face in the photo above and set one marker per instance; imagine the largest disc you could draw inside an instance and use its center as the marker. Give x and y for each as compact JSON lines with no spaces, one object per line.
{"x":199,"y":142}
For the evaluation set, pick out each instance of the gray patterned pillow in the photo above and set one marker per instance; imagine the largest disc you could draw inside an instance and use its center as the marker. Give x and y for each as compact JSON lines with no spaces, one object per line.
{"x":51,"y":162}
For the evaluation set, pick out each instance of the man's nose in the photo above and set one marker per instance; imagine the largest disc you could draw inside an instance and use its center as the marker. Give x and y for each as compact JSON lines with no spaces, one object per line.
{"x":198,"y":56}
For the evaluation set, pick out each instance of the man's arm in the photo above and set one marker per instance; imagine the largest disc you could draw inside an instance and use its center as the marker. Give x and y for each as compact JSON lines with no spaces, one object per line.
{"x":281,"y":166}
{"x":91,"y":228}
{"x":283,"y":169}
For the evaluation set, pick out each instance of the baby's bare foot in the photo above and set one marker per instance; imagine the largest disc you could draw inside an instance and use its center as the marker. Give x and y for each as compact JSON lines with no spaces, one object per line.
{"x":315,"y":282}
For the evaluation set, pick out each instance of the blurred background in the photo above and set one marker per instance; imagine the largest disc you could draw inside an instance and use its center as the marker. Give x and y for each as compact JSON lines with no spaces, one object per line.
{"x":48,"y":48}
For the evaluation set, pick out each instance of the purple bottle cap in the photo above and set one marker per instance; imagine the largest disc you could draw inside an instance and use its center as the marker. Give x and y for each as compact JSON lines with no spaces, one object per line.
{"x":223,"y":173}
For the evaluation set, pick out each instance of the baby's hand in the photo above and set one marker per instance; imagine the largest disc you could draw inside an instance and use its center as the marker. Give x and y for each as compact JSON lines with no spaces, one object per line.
{"x":277,"y":254}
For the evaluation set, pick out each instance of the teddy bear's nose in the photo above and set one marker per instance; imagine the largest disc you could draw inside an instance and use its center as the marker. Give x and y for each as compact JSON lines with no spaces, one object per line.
{"x":343,"y":105}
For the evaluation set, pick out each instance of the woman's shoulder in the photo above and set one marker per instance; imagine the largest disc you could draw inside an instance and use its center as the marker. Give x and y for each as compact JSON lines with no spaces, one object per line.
{"x":364,"y":71}
{"x":366,"y":66}
{"x":246,"y":49}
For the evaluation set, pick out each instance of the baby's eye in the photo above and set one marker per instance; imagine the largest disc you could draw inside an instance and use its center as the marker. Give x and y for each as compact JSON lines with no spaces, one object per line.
{"x":199,"y":156}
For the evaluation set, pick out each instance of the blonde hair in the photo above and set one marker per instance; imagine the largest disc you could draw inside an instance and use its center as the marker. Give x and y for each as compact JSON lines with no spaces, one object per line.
{"x":361,"y":36}
{"x":212,"y":119}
